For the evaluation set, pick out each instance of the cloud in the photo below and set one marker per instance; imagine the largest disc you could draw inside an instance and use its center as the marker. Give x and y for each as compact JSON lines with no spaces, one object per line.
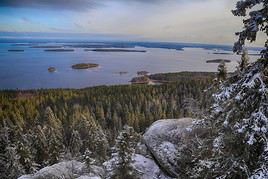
{"x":77,"y":25}
{"x":75,"y":5}
{"x":25,"y":19}
{"x":49,"y":4}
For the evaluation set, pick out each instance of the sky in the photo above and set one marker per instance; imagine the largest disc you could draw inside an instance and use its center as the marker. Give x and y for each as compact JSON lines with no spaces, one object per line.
{"x":202,"y":21}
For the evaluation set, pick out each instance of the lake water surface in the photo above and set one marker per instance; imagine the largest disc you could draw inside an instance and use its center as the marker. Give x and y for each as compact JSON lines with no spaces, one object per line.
{"x":28,"y":69}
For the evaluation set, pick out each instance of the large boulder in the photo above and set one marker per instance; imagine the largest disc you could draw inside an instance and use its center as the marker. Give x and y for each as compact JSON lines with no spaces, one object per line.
{"x":166,"y":140}
{"x":67,"y":169}
{"x":147,"y":168}
{"x":144,"y":168}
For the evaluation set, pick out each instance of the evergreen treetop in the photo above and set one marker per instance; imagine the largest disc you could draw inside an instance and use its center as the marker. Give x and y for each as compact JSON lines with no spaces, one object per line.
{"x":256,"y":12}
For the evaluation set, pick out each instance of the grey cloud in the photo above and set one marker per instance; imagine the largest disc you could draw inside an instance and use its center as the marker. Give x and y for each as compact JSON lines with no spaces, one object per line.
{"x":74,"y":5}
{"x":77,"y":25}
{"x":51,"y":4}
{"x":25,"y":19}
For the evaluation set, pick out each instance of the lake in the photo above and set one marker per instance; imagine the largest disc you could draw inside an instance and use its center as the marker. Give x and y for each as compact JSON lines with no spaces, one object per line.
{"x":28,"y":67}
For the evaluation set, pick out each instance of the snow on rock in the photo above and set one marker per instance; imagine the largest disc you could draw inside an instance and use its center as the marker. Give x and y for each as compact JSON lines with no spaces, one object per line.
{"x":68,"y":169}
{"x":88,"y":177}
{"x":147,"y":168}
{"x":164,"y":138}
{"x":142,"y":149}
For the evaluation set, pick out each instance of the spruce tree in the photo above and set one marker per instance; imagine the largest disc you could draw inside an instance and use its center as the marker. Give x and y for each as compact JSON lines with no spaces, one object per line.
{"x":52,"y":128}
{"x":25,"y":152}
{"x":10,"y":166}
{"x":87,"y":157}
{"x":256,"y":13}
{"x":123,"y":157}
{"x":92,"y":137}
{"x":40,"y":145}
{"x":75,"y":143}
{"x":237,"y":146}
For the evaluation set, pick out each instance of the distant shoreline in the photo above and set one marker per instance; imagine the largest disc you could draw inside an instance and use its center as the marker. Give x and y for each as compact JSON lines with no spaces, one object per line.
{"x":157,"y":79}
{"x":115,"y":50}
{"x":82,"y":43}
{"x":59,"y":50}
{"x":16,"y":50}
{"x":218,"y":61}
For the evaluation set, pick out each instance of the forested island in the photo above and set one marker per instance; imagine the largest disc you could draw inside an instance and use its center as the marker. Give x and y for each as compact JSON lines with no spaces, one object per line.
{"x":47,"y":46}
{"x":114,"y":50}
{"x":51,"y":69}
{"x":81,"y":66}
{"x":16,"y":50}
{"x":59,"y":50}
{"x":102,"y":45}
{"x":218,"y":61}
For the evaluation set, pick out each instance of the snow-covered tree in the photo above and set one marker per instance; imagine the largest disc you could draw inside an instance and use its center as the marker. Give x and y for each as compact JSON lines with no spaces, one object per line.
{"x":236,"y":140}
{"x":122,"y":158}
{"x":256,"y":13}
{"x":55,"y":145}
{"x":13,"y":165}
{"x":93,"y":138}
{"x":25,"y":152}
{"x":52,"y":128}
{"x":75,"y":143}
{"x":10,"y":166}
{"x":40,"y":145}
{"x":87,"y":157}
{"x":222,"y":72}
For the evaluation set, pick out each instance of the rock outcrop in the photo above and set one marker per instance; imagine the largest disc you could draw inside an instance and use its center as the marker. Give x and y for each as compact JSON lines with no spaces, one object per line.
{"x":156,"y":156}
{"x":68,"y":169}
{"x":165,"y":139}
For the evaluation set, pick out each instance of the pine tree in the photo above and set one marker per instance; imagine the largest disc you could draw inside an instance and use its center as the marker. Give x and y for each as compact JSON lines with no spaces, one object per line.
{"x":125,"y":148}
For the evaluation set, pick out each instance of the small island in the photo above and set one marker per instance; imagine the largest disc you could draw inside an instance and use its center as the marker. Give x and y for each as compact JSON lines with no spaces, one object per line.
{"x":59,"y":50}
{"x":115,"y":50}
{"x":81,"y":66}
{"x":46,"y":46}
{"x":218,"y":61}
{"x":51,"y":69}
{"x":223,"y":53}
{"x":16,"y":50}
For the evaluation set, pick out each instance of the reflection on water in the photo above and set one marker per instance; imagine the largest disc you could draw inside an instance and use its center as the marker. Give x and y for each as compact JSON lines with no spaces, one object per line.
{"x":29,"y":68}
